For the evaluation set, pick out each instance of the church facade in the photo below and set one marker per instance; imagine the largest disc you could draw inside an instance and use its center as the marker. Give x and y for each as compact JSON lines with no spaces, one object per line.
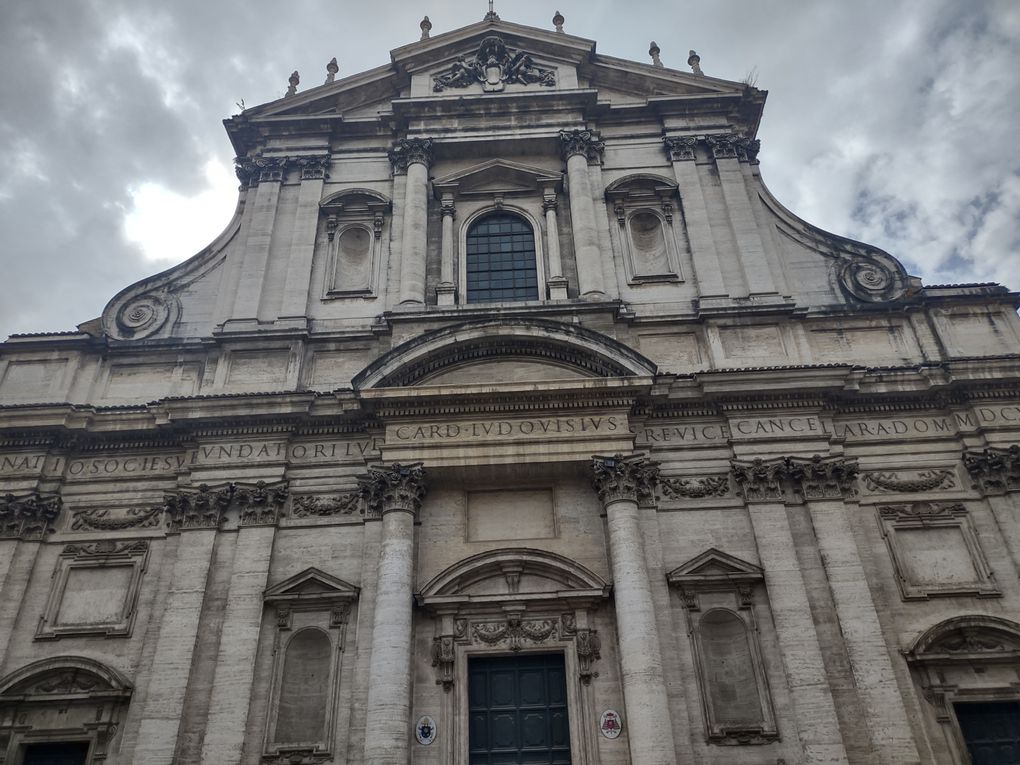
{"x":512,"y":420}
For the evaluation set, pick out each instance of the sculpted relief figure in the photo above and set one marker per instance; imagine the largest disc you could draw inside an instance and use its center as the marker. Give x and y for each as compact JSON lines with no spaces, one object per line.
{"x":494,"y":66}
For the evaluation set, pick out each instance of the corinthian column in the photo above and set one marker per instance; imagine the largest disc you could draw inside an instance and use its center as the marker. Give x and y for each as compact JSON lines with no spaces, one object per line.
{"x":413,"y":155}
{"x":763,"y":485}
{"x":827,"y":486}
{"x":620,"y":481}
{"x":396,"y":494}
{"x":579,"y":147}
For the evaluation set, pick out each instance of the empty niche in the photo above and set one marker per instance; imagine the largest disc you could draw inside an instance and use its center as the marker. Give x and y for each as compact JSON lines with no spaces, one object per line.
{"x":729,"y":669}
{"x":648,"y":245}
{"x":510,"y":514}
{"x":304,"y":688}
{"x":353,"y":264}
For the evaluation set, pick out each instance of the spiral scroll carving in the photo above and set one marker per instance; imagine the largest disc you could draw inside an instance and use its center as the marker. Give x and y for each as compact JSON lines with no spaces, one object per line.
{"x":871,"y":281}
{"x":143,"y":315}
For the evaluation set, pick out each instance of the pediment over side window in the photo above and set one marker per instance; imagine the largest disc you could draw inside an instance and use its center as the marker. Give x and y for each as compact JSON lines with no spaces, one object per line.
{"x":311,"y":586}
{"x":714,"y":567}
{"x":498,"y":351}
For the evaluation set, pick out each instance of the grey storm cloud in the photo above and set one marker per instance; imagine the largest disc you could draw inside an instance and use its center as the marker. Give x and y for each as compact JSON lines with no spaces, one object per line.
{"x":889,"y":121}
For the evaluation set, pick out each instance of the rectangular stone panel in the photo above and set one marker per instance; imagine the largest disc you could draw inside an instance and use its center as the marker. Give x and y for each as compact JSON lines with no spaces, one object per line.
{"x":511,"y":514}
{"x":257,"y":370}
{"x":94,"y":595}
{"x":936,"y":556}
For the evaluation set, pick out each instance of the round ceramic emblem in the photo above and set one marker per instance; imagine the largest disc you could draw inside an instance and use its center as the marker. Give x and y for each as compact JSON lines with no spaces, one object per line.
{"x":610,"y":724}
{"x":425,"y":730}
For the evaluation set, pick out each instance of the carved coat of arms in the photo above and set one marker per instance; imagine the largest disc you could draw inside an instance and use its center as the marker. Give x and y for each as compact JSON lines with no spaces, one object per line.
{"x":494,"y":66}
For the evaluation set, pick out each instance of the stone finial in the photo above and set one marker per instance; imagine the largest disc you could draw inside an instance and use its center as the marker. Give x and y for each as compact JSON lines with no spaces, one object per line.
{"x":653,"y":51}
{"x":558,"y":22}
{"x":393,"y":487}
{"x":426,"y":27}
{"x":294,"y":80}
{"x":631,"y":477}
{"x":331,"y":69}
{"x":694,"y":62}
{"x":491,"y":15}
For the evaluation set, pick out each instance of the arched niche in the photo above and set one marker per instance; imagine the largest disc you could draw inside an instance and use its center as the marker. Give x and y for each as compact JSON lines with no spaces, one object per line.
{"x":971,"y":659}
{"x":91,"y":696}
{"x":485,"y":350}
{"x":513,"y":600}
{"x":354,"y":221}
{"x":651,"y":237}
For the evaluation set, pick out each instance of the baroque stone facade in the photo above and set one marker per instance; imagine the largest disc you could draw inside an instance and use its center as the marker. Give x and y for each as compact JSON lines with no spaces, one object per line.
{"x":511,"y":413}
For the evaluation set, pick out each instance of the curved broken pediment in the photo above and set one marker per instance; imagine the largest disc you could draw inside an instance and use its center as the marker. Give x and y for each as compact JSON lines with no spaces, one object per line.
{"x":515,"y":572}
{"x":66,"y":677}
{"x":566,"y":350}
{"x":968,"y":638}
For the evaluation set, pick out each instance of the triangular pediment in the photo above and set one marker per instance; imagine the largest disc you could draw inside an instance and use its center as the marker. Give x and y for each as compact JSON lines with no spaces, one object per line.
{"x":715,"y":566}
{"x":311,"y":584}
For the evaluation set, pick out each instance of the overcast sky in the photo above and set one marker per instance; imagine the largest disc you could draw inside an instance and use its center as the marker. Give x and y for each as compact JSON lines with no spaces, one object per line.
{"x":891,"y":121}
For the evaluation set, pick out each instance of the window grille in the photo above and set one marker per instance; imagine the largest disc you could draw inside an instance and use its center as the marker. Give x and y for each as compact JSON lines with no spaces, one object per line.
{"x":501,"y":260}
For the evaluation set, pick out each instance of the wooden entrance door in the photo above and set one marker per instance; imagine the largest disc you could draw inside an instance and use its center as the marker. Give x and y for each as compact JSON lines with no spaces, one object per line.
{"x":518,"y":710}
{"x":992,"y":731}
{"x":71,"y":753}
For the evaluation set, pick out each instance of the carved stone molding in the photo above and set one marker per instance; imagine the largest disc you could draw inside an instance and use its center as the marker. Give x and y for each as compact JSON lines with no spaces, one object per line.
{"x":28,"y":517}
{"x":680,"y":148}
{"x":258,"y":169}
{"x":587,"y":646}
{"x":514,"y":631}
{"x":994,"y":470}
{"x":396,"y":487}
{"x":813,"y":478}
{"x":443,"y":659}
{"x":495,"y":66}
{"x":924,"y":480}
{"x":583,"y":142}
{"x":695,"y":488}
{"x":631,"y":478}
{"x":342,"y":504}
{"x":100,"y":519}
{"x":407,"y":151}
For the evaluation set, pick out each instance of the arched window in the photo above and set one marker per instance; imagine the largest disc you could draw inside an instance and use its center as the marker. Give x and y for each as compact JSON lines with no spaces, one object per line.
{"x":500,"y":260}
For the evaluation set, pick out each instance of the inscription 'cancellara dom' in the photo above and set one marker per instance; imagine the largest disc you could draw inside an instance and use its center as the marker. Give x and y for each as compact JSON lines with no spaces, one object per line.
{"x":495,"y":66}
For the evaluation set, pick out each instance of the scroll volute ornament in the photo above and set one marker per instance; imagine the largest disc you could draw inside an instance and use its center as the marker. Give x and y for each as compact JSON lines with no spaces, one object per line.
{"x":395,"y":487}
{"x":617,"y":478}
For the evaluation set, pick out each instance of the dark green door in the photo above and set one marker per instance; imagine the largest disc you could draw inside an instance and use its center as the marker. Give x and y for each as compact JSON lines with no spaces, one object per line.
{"x":75,"y":753}
{"x":992,"y":731}
{"x":518,"y":710}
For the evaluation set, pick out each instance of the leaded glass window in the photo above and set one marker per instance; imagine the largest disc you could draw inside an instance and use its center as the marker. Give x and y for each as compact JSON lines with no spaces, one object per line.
{"x":501,"y":260}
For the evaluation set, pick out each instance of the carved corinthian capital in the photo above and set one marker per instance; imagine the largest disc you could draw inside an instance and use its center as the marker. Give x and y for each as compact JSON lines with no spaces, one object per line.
{"x":396,"y":487}
{"x":624,"y":478}
{"x":583,"y":142}
{"x":680,"y":148}
{"x":822,"y":477}
{"x":27,"y":517}
{"x":407,"y":151}
{"x":761,"y":480}
{"x":994,"y":471}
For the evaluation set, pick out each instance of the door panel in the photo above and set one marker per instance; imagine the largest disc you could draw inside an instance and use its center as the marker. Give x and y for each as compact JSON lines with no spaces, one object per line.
{"x":991,"y":731}
{"x":71,"y":753}
{"x":518,"y":711}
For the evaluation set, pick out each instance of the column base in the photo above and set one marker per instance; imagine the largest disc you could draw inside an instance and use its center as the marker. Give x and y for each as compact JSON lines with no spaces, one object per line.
{"x":446,"y":294}
{"x":557,"y":288}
